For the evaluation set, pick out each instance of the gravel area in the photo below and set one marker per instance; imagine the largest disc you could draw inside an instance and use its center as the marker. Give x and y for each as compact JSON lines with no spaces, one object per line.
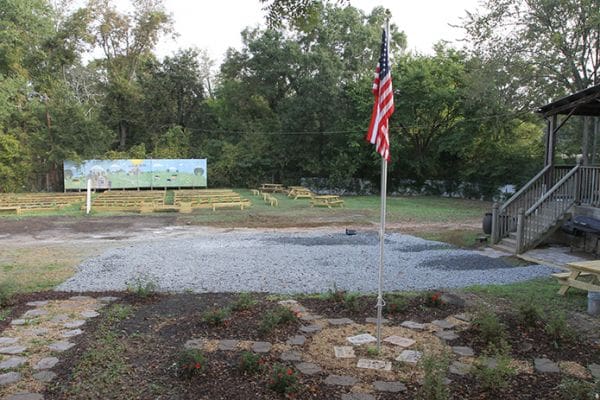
{"x":285,"y":262}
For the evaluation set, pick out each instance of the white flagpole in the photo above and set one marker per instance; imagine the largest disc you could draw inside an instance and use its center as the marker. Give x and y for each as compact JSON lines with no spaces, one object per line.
{"x":380,"y":302}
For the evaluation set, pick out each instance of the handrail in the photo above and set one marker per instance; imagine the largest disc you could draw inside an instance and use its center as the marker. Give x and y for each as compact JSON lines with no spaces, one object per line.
{"x":515,"y":196}
{"x":549,"y":193}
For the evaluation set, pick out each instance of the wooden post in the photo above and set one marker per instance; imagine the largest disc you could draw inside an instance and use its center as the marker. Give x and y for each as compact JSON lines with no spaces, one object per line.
{"x":520,"y":231}
{"x":494,"y":237}
{"x":577,"y":194}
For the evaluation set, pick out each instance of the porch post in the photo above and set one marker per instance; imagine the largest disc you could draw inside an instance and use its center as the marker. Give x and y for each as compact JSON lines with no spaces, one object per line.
{"x":550,"y":141}
{"x":494,"y":236}
{"x":520,"y":231}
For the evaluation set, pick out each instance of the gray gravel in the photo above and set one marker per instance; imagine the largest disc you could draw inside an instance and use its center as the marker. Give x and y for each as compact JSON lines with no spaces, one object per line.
{"x":293,"y":263}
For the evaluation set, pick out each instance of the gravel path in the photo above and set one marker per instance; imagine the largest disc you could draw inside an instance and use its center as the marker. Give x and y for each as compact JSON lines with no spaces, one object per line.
{"x":286,"y":262}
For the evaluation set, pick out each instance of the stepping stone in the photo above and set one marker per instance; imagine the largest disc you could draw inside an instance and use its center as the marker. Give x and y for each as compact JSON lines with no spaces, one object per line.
{"x":464,"y":317}
{"x":525,"y":347}
{"x":291,"y":355}
{"x":544,"y":365}
{"x":340,"y":321}
{"x":310,"y":317}
{"x":413,"y":325}
{"x":261,"y":347}
{"x":18,"y":322}
{"x":60,"y":318}
{"x":35,"y":313}
{"x":307,"y":368}
{"x":410,"y":356}
{"x":442,"y":323}
{"x":297,"y":340}
{"x":12,"y":362}
{"x":8,"y":340}
{"x":46,"y":363}
{"x":12,"y":349}
{"x":81,"y":298}
{"x":39,"y":303}
{"x":9,"y":378}
{"x":44,"y":376}
{"x":595,"y":370}
{"x":72,"y":333}
{"x":89,"y":314}
{"x":463,"y":351}
{"x":447,"y":335}
{"x":340,"y":380}
{"x":399,"y":341}
{"x":371,"y":320}
{"x":310,"y":328}
{"x":344,"y":351}
{"x":25,"y":396}
{"x":449,"y":298}
{"x":391,"y":387}
{"x":39,"y":331}
{"x":357,"y":396}
{"x":228,"y":345}
{"x":374,"y":364}
{"x":194,"y":344}
{"x":292,"y":305}
{"x":361,"y":339}
{"x":459,"y":368}
{"x":107,"y":299}
{"x":60,"y":346}
{"x":74,"y":324}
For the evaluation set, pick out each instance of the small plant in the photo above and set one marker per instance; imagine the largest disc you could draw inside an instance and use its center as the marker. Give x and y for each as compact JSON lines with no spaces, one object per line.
{"x":434,"y":385}
{"x":190,"y":363}
{"x":529,"y":314}
{"x":283,"y":380}
{"x":143,"y":286}
{"x":557,"y":328}
{"x":572,"y":389}
{"x":273,"y":318}
{"x":251,"y":363}
{"x":351,"y":301}
{"x":491,"y":330}
{"x":336,"y":294}
{"x":396,"y":304}
{"x":493,"y":369}
{"x":434,"y":300}
{"x":372,"y":351}
{"x":216,"y":316}
{"x":244,"y":302}
{"x":5,"y":294}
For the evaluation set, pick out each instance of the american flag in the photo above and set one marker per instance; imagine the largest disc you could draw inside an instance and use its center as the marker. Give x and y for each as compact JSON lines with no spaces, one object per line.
{"x":384,"y":103}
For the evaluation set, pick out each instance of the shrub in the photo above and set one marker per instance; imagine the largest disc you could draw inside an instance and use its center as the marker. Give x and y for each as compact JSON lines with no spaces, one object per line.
{"x":493,"y":369}
{"x":557,"y":328}
{"x":434,"y":300}
{"x":396,"y":304}
{"x":245,"y":301}
{"x":283,"y":380}
{"x":529,"y":314}
{"x":190,"y":363}
{"x":215,"y":316}
{"x":490,"y":329}
{"x":276,"y":317}
{"x":251,"y":363}
{"x":572,"y":389}
{"x":434,"y":385}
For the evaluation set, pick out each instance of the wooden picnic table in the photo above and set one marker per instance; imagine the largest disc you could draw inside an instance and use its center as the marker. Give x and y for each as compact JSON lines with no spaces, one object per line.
{"x":298,"y":192}
{"x":272,"y":187}
{"x":577,"y":270}
{"x":327,"y":201}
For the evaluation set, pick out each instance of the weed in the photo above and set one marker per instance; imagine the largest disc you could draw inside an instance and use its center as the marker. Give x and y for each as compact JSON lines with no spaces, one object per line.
{"x":434,"y":385}
{"x":335,"y":294}
{"x":276,"y":317}
{"x":143,"y":286}
{"x":190,"y":363}
{"x":396,"y":304}
{"x":493,"y":369}
{"x":557,"y":328}
{"x":433,"y":300}
{"x":215,"y":316}
{"x":5,"y":294}
{"x":572,"y":389}
{"x":372,"y":351}
{"x":251,"y":363}
{"x":284,"y":380}
{"x":491,"y":330}
{"x":245,"y":301}
{"x":529,"y":314}
{"x":351,"y":301}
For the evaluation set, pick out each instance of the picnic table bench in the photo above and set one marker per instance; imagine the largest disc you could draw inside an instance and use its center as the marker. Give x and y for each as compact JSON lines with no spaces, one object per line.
{"x":298,"y":192}
{"x":327,"y":201}
{"x":580,"y":269}
{"x":272,"y":187}
{"x":16,"y":209}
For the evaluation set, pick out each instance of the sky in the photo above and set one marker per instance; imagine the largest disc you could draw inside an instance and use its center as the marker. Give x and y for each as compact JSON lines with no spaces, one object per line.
{"x":216,"y":25}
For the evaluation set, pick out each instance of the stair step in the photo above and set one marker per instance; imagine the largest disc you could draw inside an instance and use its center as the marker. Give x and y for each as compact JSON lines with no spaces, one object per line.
{"x":509,"y":242}
{"x":500,"y":246}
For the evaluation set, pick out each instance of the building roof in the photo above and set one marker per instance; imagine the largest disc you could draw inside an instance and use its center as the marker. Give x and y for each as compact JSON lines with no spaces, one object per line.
{"x":585,"y":102}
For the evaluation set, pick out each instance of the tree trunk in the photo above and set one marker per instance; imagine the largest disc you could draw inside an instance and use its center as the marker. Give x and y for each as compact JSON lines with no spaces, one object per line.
{"x":122,"y":136}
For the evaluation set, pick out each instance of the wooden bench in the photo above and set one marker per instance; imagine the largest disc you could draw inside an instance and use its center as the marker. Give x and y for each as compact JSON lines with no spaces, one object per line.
{"x":240,"y":204}
{"x":326,"y":201}
{"x":16,"y":210}
{"x":255,"y":192}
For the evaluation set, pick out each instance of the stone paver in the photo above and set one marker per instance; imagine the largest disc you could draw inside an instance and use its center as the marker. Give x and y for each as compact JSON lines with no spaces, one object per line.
{"x":228,"y":345}
{"x":39,"y":331}
{"x":371,"y":320}
{"x":12,"y":362}
{"x":18,"y":322}
{"x":463,"y":351}
{"x":392,"y":387}
{"x":4,"y":341}
{"x":399,"y":341}
{"x":194,"y":344}
{"x":409,"y":356}
{"x":81,"y":298}
{"x":291,"y":355}
{"x":261,"y":347}
{"x":465,"y":317}
{"x":311,"y":328}
{"x":442,"y":323}
{"x":44,"y":376}
{"x":9,"y":378}
{"x":74,"y":324}
{"x":107,"y":299}
{"x":46,"y":363}
{"x":340,"y":380}
{"x":544,"y":365}
{"x":89,"y":314}
{"x":343,"y":352}
{"x":447,"y":335}
{"x":459,"y":368}
{"x":361,"y":339}
{"x":60,"y":346}
{"x":25,"y":396}
{"x":59,"y":318}
{"x":307,"y":368}
{"x":297,"y":340}
{"x":39,"y":303}
{"x":595,"y":370}
{"x":35,"y":313}
{"x":12,"y":350}
{"x":357,"y":396}
{"x":413,"y":325}
{"x":310,"y":317}
{"x":71,"y":333}
{"x":340,"y":321}
{"x":374,"y":364}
